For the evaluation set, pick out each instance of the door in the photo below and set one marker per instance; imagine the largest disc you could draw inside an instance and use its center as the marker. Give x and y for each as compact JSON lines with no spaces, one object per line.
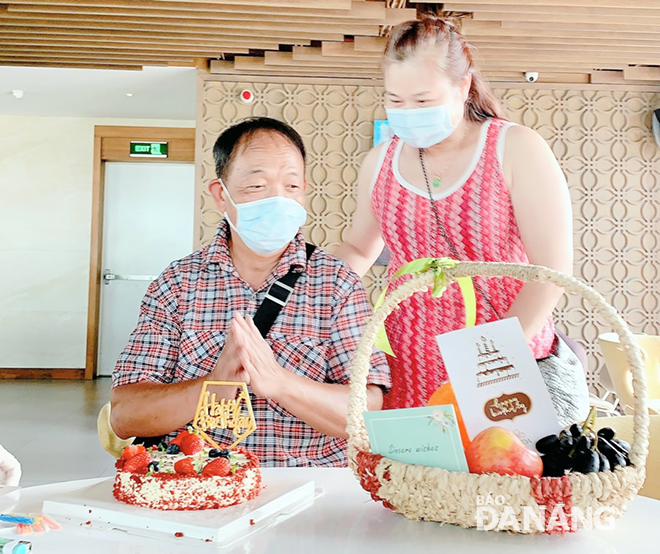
{"x":147,"y":223}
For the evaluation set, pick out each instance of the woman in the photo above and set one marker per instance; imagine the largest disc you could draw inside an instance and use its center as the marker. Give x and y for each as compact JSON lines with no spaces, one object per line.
{"x":458,"y":180}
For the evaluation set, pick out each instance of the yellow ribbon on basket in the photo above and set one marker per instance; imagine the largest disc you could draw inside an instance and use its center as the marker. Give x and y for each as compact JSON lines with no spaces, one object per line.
{"x":438,"y":266}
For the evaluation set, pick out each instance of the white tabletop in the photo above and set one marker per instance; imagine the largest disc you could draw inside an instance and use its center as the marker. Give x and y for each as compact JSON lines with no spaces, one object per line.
{"x":346,"y":520}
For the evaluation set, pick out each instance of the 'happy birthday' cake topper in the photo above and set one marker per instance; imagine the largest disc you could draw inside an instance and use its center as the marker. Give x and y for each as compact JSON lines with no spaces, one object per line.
{"x":225,"y":413}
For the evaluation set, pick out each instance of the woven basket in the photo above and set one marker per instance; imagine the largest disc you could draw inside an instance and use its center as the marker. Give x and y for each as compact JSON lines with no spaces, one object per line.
{"x":434,"y":494}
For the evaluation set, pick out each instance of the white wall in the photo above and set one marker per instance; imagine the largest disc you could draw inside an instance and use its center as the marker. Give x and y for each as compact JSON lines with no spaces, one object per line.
{"x":46,"y":168}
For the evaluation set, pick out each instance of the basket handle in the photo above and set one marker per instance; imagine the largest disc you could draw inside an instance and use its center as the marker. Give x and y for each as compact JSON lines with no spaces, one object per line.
{"x":357,"y":405}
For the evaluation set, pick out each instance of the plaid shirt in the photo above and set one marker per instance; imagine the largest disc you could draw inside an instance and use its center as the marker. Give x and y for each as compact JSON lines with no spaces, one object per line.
{"x":186,"y":314}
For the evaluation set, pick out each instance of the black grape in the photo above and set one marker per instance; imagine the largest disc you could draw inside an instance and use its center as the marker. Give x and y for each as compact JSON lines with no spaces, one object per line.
{"x":565,"y":434}
{"x":584,"y":443}
{"x":607,"y":433}
{"x":622,"y":444}
{"x":604,"y":462}
{"x":566,"y":443}
{"x":546,"y":444}
{"x":576,"y":430}
{"x":553,"y":466}
{"x":613,"y":456}
{"x":617,"y":460}
{"x":623,"y":448}
{"x":587,"y":462}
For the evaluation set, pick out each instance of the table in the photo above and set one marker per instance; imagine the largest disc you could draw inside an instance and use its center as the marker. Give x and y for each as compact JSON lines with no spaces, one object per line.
{"x":344,"y":520}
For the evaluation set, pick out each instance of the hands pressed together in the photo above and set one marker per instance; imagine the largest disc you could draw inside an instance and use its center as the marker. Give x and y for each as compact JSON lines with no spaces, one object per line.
{"x":247,"y":357}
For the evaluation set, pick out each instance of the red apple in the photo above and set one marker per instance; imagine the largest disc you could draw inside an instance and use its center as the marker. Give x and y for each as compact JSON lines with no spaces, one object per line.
{"x":498,"y":450}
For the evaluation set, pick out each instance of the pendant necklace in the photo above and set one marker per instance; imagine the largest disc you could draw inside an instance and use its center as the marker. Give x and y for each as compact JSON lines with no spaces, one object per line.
{"x":437,"y":176}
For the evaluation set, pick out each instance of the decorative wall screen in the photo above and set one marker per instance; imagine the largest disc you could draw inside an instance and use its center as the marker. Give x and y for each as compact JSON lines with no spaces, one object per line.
{"x":602,"y":140}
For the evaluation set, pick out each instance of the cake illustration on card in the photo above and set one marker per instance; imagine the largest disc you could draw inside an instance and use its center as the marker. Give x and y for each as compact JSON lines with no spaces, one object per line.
{"x":493,"y":366}
{"x":497,"y":381}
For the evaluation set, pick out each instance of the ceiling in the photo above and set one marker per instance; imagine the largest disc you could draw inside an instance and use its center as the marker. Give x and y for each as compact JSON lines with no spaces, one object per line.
{"x":566,"y":41}
{"x":63,"y":92}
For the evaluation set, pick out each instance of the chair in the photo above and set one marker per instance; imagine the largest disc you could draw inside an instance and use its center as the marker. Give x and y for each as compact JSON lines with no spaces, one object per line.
{"x":616,"y":361}
{"x":110,"y":442}
{"x":623,"y":427}
{"x":603,"y":406}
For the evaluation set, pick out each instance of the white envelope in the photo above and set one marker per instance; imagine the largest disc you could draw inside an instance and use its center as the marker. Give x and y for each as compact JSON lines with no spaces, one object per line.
{"x":497,"y":381}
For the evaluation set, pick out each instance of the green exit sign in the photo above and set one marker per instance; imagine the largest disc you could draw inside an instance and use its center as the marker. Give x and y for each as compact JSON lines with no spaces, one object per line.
{"x":148,"y":149}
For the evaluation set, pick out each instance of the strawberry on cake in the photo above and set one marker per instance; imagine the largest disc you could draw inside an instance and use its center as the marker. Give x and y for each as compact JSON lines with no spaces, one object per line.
{"x":187,"y":474}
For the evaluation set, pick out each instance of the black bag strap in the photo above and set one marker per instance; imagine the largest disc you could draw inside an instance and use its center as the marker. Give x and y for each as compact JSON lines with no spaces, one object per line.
{"x":277,"y":296}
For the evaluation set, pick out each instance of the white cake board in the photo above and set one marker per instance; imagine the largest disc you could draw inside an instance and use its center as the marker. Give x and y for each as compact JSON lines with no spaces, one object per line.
{"x":95,"y":506}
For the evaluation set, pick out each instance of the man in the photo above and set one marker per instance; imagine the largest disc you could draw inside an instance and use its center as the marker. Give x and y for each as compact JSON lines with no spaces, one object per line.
{"x":195,"y":320}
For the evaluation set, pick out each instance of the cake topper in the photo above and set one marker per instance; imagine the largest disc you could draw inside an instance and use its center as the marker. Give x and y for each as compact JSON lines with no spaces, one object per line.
{"x":225,"y":413}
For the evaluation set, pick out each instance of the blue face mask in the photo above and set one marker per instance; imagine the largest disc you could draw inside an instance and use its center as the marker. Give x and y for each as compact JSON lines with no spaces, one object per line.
{"x":421,"y":127}
{"x":268,"y":225}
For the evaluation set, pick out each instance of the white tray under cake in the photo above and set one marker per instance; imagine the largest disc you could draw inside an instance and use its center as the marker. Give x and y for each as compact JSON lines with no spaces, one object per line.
{"x":95,"y":506}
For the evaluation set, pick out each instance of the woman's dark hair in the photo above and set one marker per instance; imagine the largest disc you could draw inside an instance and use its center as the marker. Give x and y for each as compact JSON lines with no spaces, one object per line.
{"x":231,"y":139}
{"x":452,"y":52}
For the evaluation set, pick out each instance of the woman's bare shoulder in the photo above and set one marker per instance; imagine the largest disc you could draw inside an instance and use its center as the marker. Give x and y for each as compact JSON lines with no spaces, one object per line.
{"x":521,"y":139}
{"x":374,"y":155}
{"x":371,"y":165}
{"x":525,"y":147}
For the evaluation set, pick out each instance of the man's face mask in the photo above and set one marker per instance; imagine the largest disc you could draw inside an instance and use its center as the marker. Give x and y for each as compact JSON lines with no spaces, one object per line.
{"x":268,"y":225}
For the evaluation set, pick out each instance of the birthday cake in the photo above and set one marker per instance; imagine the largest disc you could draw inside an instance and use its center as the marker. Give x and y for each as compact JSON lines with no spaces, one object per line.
{"x":186,"y":474}
{"x":192,"y":471}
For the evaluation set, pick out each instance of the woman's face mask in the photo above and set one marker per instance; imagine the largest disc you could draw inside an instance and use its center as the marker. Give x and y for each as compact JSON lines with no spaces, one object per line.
{"x":267,"y":225}
{"x":422,"y":127}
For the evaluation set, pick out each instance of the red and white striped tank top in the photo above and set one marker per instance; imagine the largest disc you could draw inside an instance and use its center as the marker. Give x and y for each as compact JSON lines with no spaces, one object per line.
{"x":478,"y":217}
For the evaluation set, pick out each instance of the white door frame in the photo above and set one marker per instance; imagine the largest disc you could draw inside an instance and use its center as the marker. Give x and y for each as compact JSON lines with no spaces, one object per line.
{"x":112,"y":144}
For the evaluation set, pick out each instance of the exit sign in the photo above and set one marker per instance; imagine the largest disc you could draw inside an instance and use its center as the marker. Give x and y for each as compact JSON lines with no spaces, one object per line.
{"x":148,"y":149}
